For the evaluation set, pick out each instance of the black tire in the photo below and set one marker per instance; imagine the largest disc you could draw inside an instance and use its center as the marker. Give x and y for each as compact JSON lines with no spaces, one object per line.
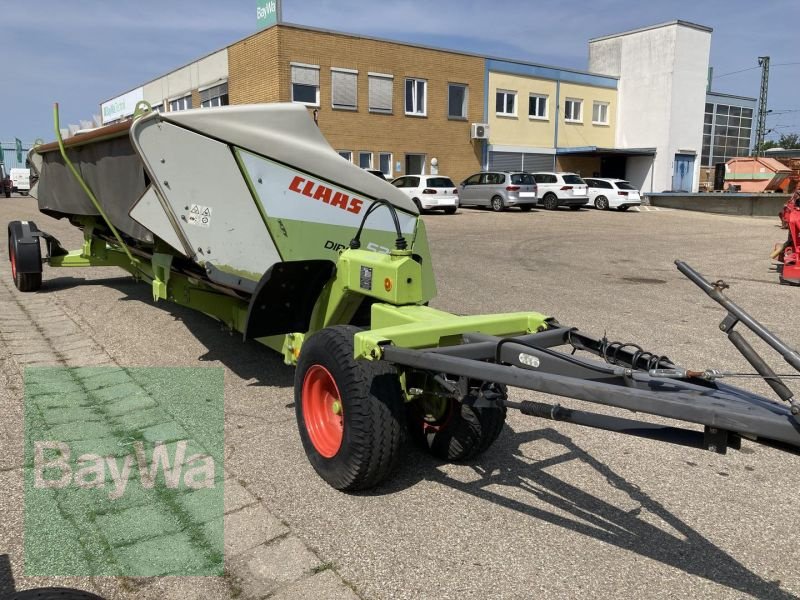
{"x":550,"y":201}
{"x":525,"y":207}
{"x":372,"y":411}
{"x":496,"y":204}
{"x":601,"y":203}
{"x":462,"y":433}
{"x":24,"y":282}
{"x":53,"y":593}
{"x":623,"y":208}
{"x":451,"y":210}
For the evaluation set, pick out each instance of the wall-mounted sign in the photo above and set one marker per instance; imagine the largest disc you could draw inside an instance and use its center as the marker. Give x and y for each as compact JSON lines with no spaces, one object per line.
{"x":121,"y":106}
{"x":268,"y":12}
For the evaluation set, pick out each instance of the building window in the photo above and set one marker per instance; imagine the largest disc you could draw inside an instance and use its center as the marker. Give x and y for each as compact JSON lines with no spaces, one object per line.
{"x":385,"y":163}
{"x":346,"y":154}
{"x":727,"y":132}
{"x":365,"y":160}
{"x":216,"y":95}
{"x":344,"y":89}
{"x":415,"y":164}
{"x":380,"y":92}
{"x":159,"y":108}
{"x":416,"y":97}
{"x":305,"y":84}
{"x":456,"y":101}
{"x":600,"y":113}
{"x":181,"y":103}
{"x":506,"y":103}
{"x":573,"y":110}
{"x":537,"y":106}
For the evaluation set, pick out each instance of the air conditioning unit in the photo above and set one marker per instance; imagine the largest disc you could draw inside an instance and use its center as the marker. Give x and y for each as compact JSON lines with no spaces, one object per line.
{"x":479,"y":131}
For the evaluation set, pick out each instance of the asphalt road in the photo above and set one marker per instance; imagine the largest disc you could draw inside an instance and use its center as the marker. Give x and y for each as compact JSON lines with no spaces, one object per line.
{"x":551,"y":510}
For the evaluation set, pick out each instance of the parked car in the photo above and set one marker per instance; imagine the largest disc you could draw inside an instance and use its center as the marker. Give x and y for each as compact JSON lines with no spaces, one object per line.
{"x":21,"y":180}
{"x":429,"y":192}
{"x":561,"y":189}
{"x":612,"y":193}
{"x":5,"y":182}
{"x":499,"y":190}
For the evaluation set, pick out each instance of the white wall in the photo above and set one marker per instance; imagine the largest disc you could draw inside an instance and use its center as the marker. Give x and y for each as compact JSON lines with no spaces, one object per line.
{"x":181,"y":82}
{"x":662,"y":88}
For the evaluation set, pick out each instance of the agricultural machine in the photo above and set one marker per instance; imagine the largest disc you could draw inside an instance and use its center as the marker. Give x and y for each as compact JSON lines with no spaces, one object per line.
{"x":246,"y":214}
{"x":788,"y":253}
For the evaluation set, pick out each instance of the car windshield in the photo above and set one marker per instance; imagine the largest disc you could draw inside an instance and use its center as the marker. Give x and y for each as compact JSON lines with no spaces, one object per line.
{"x":440,"y":182}
{"x":522,"y":179}
{"x":574,"y":180}
{"x":624,"y":185}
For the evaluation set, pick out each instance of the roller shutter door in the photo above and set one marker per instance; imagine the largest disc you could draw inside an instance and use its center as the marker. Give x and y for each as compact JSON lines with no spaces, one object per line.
{"x":519,"y":161}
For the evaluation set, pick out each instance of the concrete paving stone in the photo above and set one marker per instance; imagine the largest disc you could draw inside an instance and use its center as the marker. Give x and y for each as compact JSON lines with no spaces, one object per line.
{"x":249,"y":527}
{"x":325,"y":585}
{"x":183,"y":588}
{"x":138,"y":523}
{"x":86,"y":430}
{"x":203,"y":505}
{"x":164,"y":555}
{"x":236,"y":496}
{"x":267,"y":568}
{"x":129,"y":405}
{"x":165,"y":432}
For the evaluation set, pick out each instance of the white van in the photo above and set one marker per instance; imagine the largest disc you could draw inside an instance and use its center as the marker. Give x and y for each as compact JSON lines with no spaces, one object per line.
{"x":20,"y":180}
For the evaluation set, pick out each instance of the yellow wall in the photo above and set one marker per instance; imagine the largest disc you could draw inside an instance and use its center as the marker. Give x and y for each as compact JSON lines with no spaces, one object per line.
{"x":522,"y":130}
{"x":572,"y":135}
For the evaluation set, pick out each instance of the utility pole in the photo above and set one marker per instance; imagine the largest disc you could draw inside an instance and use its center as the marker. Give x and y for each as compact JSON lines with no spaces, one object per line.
{"x":763,"y":62}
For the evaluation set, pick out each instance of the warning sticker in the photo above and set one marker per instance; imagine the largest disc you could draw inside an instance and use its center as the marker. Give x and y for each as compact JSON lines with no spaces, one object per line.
{"x":199,"y":215}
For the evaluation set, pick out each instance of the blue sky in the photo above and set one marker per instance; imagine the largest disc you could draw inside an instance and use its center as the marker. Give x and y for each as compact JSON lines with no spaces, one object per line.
{"x":81,"y":53}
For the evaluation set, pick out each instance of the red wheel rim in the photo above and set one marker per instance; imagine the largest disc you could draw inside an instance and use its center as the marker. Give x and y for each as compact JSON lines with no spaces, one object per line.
{"x":13,"y":265}
{"x":323,"y":412}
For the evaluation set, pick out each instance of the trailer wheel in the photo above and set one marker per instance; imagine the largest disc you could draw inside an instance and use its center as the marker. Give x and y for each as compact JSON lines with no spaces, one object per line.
{"x":24,"y":282}
{"x":455,"y":431}
{"x":349,"y":412}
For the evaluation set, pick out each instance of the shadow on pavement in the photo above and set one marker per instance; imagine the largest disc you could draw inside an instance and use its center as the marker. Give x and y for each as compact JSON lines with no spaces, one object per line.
{"x":248,"y":360}
{"x":552,"y":500}
{"x":561,"y":503}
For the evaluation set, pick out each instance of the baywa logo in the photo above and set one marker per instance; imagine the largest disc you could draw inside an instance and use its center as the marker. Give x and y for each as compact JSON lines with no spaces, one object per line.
{"x":90,"y":469}
{"x":124,"y":471}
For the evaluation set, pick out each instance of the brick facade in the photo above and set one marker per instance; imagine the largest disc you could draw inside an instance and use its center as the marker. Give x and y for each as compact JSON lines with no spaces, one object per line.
{"x":260,"y":71}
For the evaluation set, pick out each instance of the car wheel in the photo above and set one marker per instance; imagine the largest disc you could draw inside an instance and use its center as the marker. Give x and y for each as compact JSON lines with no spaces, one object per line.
{"x":497,"y":204}
{"x":525,"y":207}
{"x":550,"y":201}
{"x":451,"y":210}
{"x":601,"y":203}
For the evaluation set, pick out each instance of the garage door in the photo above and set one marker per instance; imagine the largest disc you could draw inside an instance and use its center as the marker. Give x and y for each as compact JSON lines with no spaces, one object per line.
{"x":520,"y":161}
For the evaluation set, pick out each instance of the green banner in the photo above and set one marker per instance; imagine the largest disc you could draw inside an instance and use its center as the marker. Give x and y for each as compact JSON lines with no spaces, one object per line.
{"x":268,"y":13}
{"x":123,"y":471}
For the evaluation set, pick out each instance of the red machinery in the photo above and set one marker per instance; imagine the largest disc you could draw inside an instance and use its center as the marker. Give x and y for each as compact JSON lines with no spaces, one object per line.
{"x":788,"y":253}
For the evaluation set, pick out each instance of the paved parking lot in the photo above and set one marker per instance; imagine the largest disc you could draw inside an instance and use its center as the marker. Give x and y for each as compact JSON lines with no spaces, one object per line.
{"x":552,"y":510}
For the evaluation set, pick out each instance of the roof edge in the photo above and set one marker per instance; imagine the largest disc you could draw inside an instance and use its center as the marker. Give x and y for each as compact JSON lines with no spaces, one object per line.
{"x":656,"y":26}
